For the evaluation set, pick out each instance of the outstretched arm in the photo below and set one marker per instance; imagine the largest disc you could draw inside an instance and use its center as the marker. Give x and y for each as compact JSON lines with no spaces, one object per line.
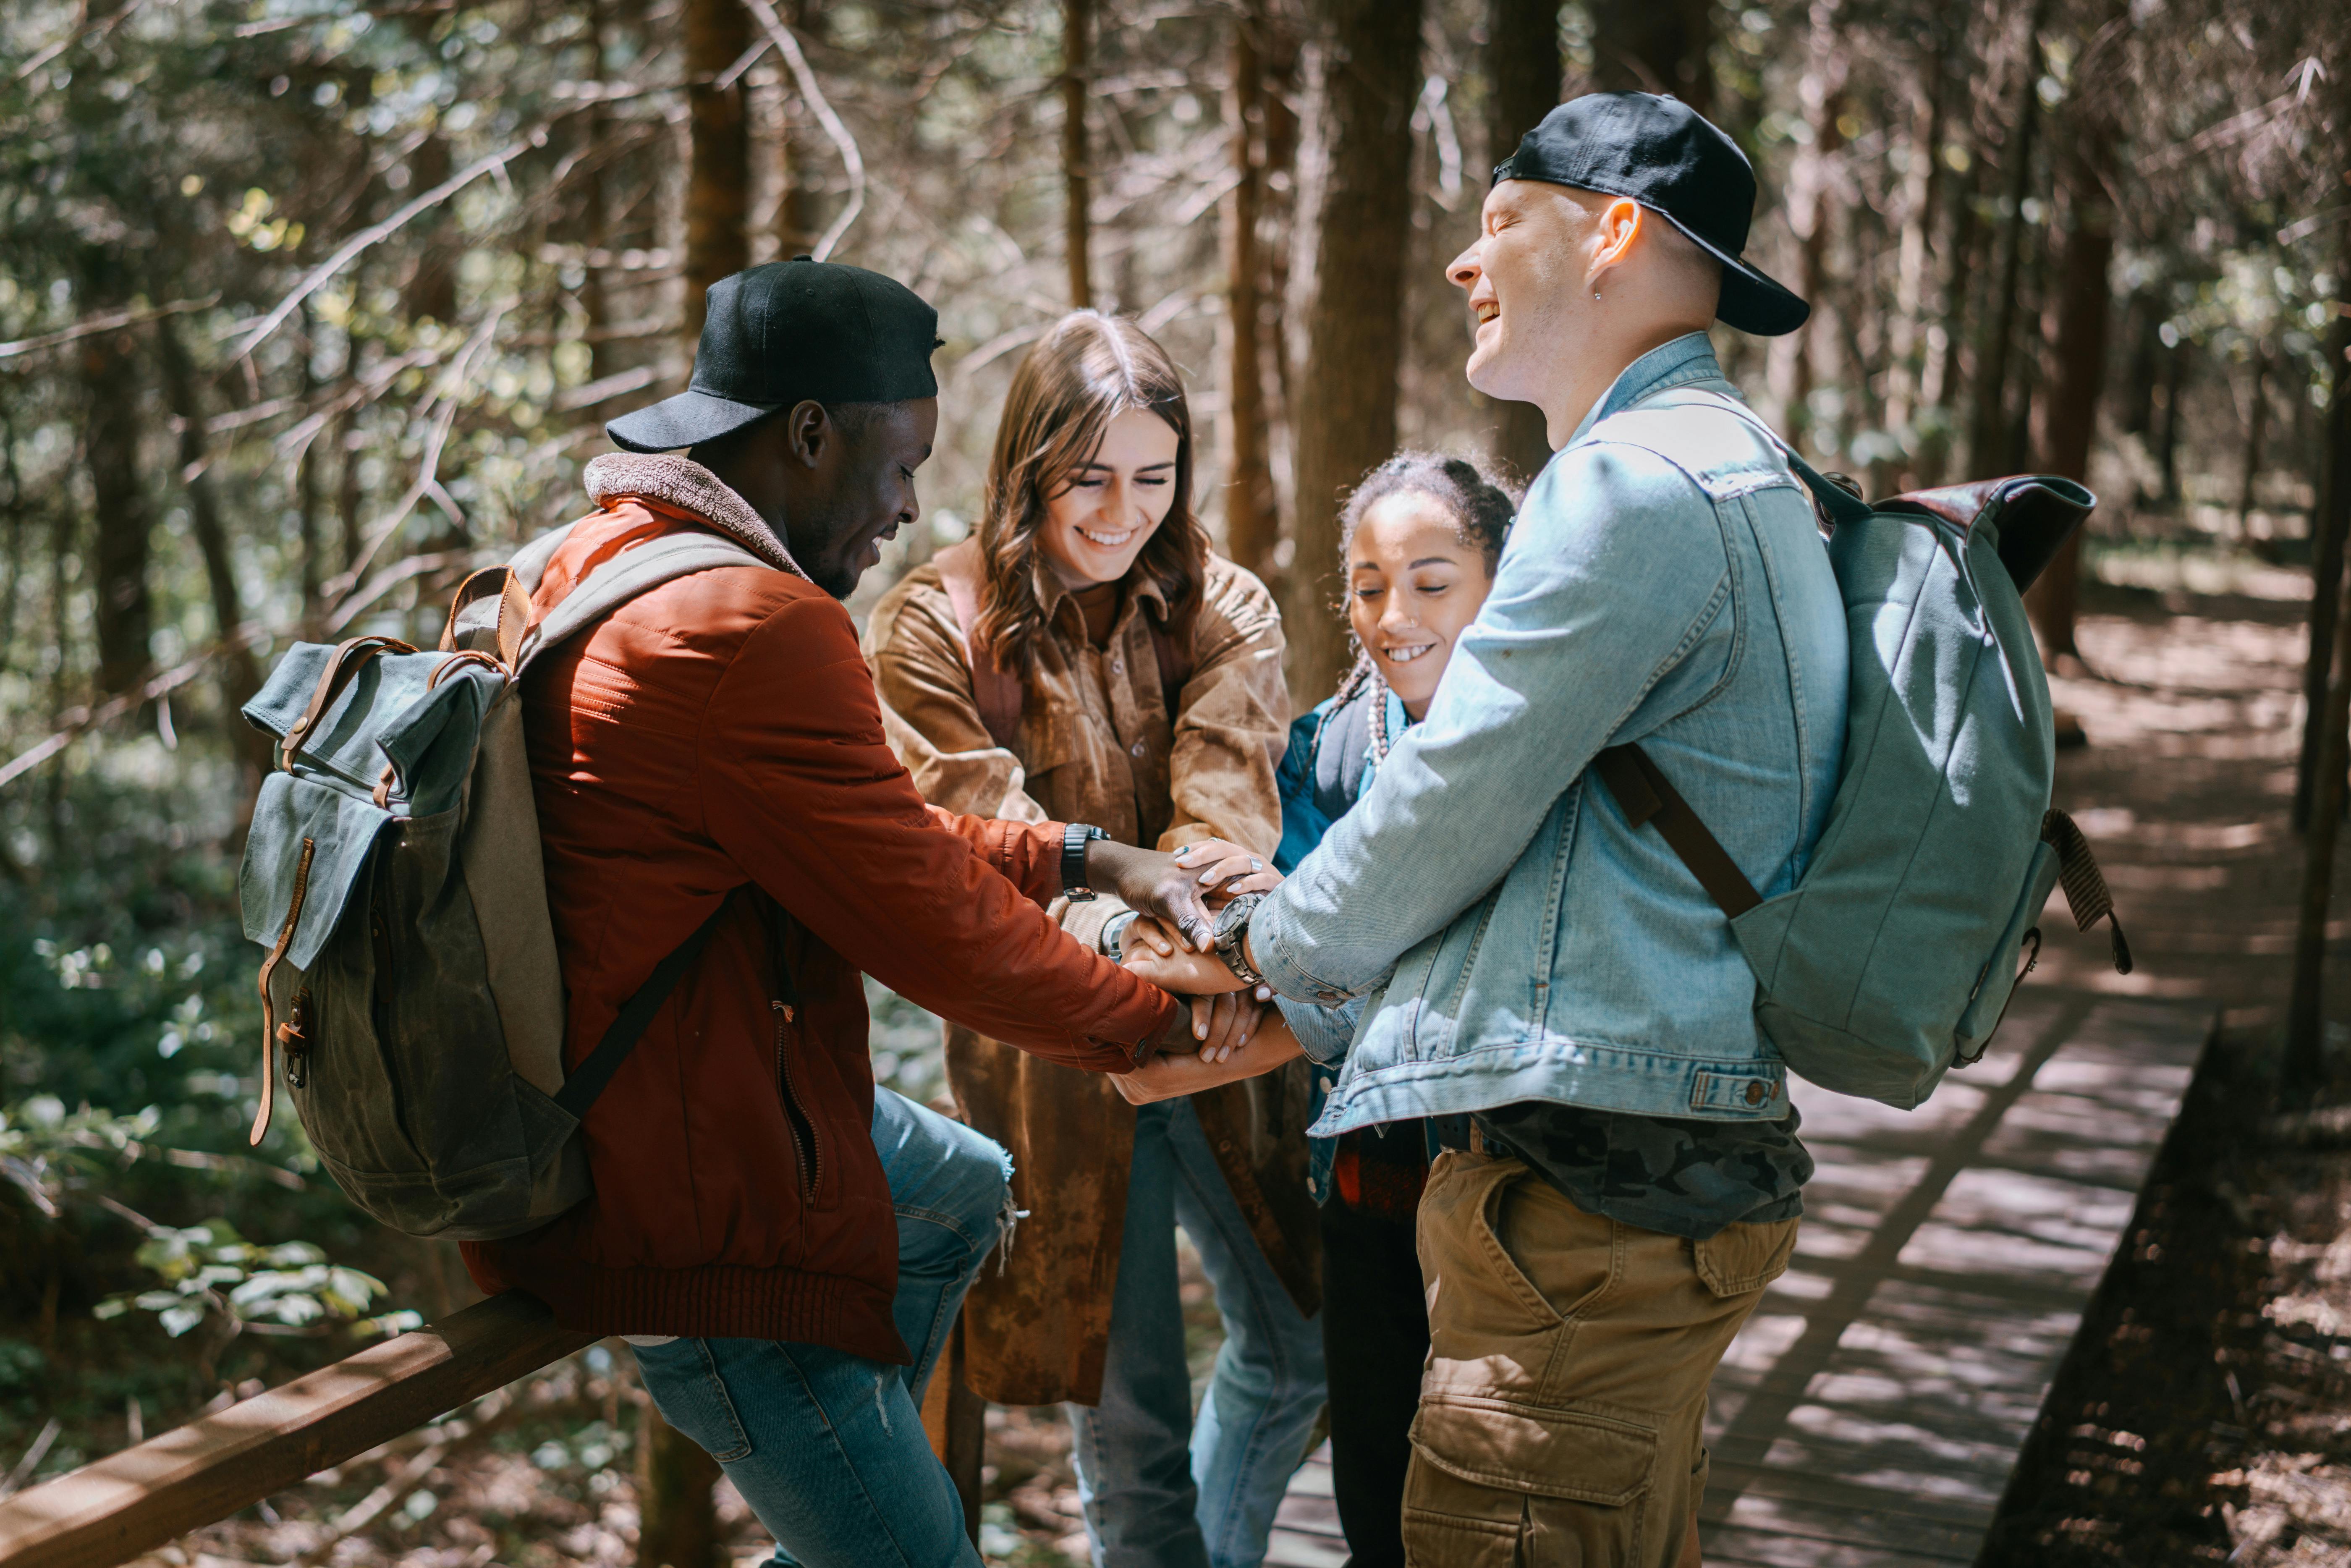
{"x":801,"y":791}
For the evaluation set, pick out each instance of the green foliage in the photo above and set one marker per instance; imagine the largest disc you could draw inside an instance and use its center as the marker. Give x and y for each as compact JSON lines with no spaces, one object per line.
{"x":209,"y":1271}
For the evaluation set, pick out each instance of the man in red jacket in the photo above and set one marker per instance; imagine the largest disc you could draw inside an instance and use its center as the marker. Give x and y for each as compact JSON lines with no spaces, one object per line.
{"x":784,"y":1246}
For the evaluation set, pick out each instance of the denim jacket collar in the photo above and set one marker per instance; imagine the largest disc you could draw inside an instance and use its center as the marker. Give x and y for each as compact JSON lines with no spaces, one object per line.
{"x":1689,"y":358}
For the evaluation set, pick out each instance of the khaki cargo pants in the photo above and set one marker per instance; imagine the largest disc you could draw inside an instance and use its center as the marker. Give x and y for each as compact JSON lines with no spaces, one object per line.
{"x":1562,"y":1409}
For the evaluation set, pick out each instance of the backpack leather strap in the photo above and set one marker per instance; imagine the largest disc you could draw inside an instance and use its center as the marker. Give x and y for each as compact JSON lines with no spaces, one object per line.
{"x":269,"y":1025}
{"x":995,"y":689}
{"x":346,"y":662}
{"x":1174,"y":664}
{"x":1642,"y":792}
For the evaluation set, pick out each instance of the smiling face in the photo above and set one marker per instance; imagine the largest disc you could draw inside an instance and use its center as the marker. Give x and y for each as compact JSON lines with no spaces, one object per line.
{"x":1413,"y":583}
{"x":1525,"y":277}
{"x":833,"y":485}
{"x":1100,"y":515}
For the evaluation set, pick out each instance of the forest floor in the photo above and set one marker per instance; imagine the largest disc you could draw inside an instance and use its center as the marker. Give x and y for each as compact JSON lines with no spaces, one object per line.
{"x":2204,"y":1411}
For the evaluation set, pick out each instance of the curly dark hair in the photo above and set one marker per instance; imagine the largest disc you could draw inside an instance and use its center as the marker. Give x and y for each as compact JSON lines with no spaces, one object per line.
{"x":1482,"y":501}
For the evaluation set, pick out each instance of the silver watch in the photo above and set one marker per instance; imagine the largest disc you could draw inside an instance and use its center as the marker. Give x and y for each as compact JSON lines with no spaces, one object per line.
{"x":1232,"y":926}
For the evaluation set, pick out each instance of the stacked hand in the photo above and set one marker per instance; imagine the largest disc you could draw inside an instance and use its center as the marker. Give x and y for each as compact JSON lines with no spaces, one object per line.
{"x":1227,"y":1015}
{"x":1177,"y":890}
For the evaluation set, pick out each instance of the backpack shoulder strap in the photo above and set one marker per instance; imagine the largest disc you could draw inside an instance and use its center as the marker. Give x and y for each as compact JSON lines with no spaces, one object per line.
{"x":1642,"y":792}
{"x":1174,"y":662}
{"x":581,"y":1088}
{"x":995,"y":689}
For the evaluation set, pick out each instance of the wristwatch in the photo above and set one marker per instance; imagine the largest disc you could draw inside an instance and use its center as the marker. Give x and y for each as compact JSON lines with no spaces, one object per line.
{"x":1232,"y":925}
{"x":1074,"y":840}
{"x":1113,"y":936}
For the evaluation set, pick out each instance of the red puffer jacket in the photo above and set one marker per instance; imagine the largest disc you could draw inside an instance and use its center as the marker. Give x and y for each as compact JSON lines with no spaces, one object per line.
{"x":716,"y":736}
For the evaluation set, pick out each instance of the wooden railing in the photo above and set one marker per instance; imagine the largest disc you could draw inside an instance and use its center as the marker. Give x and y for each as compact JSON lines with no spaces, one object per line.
{"x":111,"y":1510}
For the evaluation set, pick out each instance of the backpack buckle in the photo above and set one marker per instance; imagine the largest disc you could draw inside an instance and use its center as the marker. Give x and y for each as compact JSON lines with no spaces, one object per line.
{"x":294,"y":1035}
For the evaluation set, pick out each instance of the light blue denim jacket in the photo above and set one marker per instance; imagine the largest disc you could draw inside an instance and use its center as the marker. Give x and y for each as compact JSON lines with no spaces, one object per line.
{"x":1485,"y":927}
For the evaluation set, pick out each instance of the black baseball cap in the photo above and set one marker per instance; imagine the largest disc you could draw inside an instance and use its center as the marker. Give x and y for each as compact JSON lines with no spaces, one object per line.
{"x":1673,"y":161}
{"x":785,"y":332}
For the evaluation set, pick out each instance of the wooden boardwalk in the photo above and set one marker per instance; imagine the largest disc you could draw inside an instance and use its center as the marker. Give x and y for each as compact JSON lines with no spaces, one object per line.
{"x":1869,"y":1414}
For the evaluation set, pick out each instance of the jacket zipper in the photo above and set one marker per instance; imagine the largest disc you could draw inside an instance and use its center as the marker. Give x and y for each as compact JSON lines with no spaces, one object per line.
{"x":804,"y":1139}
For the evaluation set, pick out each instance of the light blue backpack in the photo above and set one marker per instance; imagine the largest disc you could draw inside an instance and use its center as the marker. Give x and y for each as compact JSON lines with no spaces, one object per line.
{"x":1894,"y":957}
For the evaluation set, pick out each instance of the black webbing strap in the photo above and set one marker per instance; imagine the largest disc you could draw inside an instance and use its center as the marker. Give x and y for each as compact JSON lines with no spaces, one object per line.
{"x":1643,"y":792}
{"x":580,"y":1091}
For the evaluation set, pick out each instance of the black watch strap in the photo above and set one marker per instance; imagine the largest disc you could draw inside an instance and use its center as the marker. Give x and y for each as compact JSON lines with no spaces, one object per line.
{"x":1074,"y":840}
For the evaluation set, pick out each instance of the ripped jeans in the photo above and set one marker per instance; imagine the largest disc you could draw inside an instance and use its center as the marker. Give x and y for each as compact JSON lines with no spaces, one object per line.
{"x":828,"y":1447}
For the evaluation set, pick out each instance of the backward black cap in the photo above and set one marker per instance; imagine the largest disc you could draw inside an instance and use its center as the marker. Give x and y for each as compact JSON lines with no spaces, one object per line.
{"x":1678,"y":164}
{"x":786,"y":332}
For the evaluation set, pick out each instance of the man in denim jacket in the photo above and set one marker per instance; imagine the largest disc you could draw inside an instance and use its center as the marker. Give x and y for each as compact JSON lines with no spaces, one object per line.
{"x":1486,"y":937}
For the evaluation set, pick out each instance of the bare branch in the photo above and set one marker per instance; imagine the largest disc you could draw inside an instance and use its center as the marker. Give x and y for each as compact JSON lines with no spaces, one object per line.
{"x":318,"y":274}
{"x":115,"y":322}
{"x":813,"y":92}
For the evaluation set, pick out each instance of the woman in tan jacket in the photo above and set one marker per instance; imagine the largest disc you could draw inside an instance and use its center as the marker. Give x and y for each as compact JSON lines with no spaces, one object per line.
{"x":1086,"y":659}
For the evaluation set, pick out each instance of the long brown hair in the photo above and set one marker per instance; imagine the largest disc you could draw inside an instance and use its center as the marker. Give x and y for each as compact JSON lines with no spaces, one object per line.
{"x":1083,"y":373}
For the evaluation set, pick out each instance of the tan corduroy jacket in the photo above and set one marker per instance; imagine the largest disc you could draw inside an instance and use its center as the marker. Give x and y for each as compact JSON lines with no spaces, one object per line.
{"x":1097,"y":744}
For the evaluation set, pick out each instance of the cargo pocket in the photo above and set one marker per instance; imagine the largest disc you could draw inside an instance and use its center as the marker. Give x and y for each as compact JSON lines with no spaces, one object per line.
{"x":1495,"y":1483}
{"x":1739,"y":1259}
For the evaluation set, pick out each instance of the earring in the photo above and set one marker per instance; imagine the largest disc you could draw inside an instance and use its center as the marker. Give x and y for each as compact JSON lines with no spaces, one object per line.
{"x":1595,"y":293}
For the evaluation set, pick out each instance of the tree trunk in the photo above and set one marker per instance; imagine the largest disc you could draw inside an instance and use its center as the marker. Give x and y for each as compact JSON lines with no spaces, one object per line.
{"x":1655,"y":45}
{"x":1076,"y":70}
{"x":1522,"y":62}
{"x":2166,"y":444}
{"x":109,"y":376}
{"x":2144,"y":319}
{"x":1921,"y":185}
{"x":432,"y":292}
{"x":1987,"y":426}
{"x":719,"y":180}
{"x":677,"y":1521}
{"x":1279,"y":51}
{"x":596,"y":206}
{"x":240,"y":672}
{"x":2319,"y":798}
{"x":1813,"y":209}
{"x":2085,"y":302}
{"x":2330,"y":526}
{"x":1354,"y":338}
{"x":306,"y":479}
{"x":2256,"y":429}
{"x":1252,"y":525}
{"x":800,"y":184}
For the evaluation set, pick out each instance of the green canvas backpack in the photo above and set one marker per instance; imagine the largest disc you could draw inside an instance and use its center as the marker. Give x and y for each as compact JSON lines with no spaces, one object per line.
{"x":1893,"y":956}
{"x":392,"y":875}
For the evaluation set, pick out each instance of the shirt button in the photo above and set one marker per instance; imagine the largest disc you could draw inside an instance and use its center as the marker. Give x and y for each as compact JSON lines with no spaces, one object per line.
{"x":1327,"y":1086}
{"x":1136,"y":749}
{"x":1756,"y":1094}
{"x":1118,"y":666}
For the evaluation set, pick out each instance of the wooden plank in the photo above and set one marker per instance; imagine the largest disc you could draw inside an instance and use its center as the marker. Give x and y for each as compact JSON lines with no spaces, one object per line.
{"x":1743,"y":1548}
{"x":110,"y":1510}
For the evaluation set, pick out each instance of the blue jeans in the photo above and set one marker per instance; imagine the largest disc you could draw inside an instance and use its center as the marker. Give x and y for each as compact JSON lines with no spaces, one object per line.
{"x":828,"y":1447}
{"x":1151,"y":1499}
